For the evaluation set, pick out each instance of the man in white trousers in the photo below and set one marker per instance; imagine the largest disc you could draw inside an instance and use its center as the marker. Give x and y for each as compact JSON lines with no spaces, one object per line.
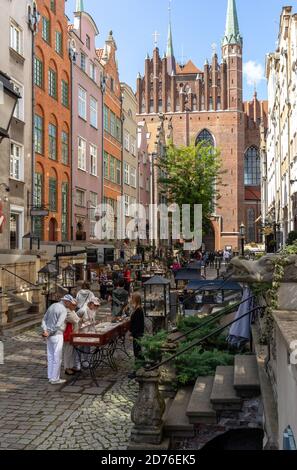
{"x":53,"y":326}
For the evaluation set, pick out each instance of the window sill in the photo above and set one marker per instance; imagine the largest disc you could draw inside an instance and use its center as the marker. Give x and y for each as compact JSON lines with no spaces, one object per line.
{"x":16,"y":55}
{"x":11,"y":178}
{"x":81,"y":169}
{"x":94,"y":127}
{"x":83,"y":118}
{"x":93,"y":174}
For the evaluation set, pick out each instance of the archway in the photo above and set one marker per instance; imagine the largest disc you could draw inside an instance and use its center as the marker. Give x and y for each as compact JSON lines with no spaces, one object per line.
{"x":209,"y":238}
{"x":53,"y":226}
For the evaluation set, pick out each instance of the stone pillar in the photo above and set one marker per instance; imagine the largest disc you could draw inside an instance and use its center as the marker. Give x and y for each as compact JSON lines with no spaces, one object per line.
{"x":148,"y":410}
{"x":3,"y":310}
{"x":168,"y":373}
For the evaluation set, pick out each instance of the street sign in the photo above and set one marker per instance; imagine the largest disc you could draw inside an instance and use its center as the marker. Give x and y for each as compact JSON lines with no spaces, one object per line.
{"x":39,"y":212}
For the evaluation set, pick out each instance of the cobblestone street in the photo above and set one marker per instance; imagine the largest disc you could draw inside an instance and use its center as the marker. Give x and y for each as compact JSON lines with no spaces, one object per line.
{"x":36,"y":415}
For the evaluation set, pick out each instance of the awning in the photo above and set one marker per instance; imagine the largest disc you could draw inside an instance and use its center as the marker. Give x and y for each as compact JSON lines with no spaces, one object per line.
{"x":187,"y":275}
{"x":214,"y":285}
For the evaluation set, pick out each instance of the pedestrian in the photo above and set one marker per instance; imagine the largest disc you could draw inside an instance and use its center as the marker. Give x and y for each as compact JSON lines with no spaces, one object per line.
{"x":71,"y":363}
{"x":103,"y":279}
{"x":226,"y":256}
{"x":119,"y":299}
{"x":127,"y":279}
{"x":175,"y":267}
{"x":83,"y":297}
{"x":136,"y":327}
{"x":89,"y":314}
{"x":53,"y":326}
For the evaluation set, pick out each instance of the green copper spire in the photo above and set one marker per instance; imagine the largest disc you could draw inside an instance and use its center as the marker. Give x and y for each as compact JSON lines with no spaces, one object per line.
{"x":169,"y":52}
{"x":79,"y":5}
{"x":171,"y":65}
{"x":232,"y":33}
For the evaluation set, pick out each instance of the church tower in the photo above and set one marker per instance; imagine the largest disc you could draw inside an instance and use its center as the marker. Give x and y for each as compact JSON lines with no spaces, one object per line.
{"x":232,"y":55}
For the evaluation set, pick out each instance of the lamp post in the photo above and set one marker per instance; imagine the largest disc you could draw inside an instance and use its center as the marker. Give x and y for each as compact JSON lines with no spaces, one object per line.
{"x":242,"y":237}
{"x":69,"y":277}
{"x":46,"y":278}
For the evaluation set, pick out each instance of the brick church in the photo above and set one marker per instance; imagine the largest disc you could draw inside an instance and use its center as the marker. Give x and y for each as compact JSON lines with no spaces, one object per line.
{"x":206,"y":103}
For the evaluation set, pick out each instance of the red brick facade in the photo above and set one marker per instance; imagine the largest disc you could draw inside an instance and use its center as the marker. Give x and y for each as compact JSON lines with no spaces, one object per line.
{"x":53,"y":172}
{"x":211,"y":99}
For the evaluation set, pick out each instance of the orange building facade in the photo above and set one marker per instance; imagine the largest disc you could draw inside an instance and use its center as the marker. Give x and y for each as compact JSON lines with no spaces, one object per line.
{"x":112,"y":122}
{"x":52,"y":123}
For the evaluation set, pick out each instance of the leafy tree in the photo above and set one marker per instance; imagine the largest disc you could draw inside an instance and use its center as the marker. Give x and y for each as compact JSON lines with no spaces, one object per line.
{"x":192,"y":175}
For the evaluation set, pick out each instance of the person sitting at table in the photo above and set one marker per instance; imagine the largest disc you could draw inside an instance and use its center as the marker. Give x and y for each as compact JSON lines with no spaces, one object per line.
{"x":136,"y":327}
{"x":119,"y":300}
{"x":72,"y":326}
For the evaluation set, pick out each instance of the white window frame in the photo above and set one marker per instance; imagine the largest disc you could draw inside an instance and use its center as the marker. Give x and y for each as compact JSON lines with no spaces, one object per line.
{"x":132,"y":201}
{"x":19,"y":109}
{"x":126,"y":205}
{"x":93,"y":206}
{"x":82,"y":154}
{"x":92,"y":71}
{"x":133,"y":146}
{"x":132,"y":177}
{"x":14,"y":159}
{"x":19,"y":210}
{"x":78,"y":190}
{"x":127,"y":140}
{"x":14,"y":30}
{"x":82,"y":103}
{"x":93,"y":159}
{"x":126,"y":173}
{"x":94,"y":112}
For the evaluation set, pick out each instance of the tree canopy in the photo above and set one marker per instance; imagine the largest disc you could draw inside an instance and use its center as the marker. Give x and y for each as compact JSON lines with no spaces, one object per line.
{"x":191,"y":175}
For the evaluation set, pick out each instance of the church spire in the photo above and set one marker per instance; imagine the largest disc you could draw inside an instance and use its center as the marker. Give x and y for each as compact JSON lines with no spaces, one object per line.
{"x":232,"y":33}
{"x":171,"y":66}
{"x":79,"y":6}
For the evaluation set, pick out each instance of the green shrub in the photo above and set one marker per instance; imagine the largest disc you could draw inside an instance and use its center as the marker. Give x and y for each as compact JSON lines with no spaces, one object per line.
{"x":198,"y":363}
{"x":151,"y":346}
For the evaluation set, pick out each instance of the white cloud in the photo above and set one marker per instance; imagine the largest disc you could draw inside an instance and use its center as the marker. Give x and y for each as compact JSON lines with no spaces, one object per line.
{"x":253,"y":72}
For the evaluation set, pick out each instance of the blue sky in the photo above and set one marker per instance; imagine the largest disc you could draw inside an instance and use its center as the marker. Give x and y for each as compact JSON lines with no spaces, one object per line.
{"x":197,"y":24}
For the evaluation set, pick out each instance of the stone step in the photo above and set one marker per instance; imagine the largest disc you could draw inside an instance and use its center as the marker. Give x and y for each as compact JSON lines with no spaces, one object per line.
{"x":223,"y":396}
{"x":246,"y":376}
{"x":200,"y":409}
{"x":11,"y":329}
{"x":176,"y":422}
{"x":21,"y":319}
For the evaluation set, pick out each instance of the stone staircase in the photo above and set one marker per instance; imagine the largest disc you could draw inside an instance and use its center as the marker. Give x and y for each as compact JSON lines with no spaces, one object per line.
{"x":210,"y":396}
{"x":19,"y":316}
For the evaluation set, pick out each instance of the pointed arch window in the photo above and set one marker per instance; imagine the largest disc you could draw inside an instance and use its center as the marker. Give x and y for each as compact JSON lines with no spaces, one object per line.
{"x":206,"y":137}
{"x":251,"y":225}
{"x":252,"y":170}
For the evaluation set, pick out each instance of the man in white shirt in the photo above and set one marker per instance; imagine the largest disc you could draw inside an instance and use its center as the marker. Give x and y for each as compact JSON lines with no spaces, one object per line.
{"x":53,"y":326}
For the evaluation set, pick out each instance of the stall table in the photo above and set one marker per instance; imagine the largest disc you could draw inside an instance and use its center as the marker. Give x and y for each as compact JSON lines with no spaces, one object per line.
{"x":96,"y":344}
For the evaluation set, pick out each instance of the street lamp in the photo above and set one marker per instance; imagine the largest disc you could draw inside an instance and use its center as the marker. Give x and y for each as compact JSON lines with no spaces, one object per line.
{"x":69,"y":277}
{"x":242,"y":236}
{"x":8,"y":102}
{"x":47,"y":277}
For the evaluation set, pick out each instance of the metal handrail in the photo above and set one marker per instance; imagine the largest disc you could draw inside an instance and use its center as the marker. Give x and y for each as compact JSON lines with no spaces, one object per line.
{"x":224,"y":311}
{"x":19,"y":277}
{"x":201,"y":340}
